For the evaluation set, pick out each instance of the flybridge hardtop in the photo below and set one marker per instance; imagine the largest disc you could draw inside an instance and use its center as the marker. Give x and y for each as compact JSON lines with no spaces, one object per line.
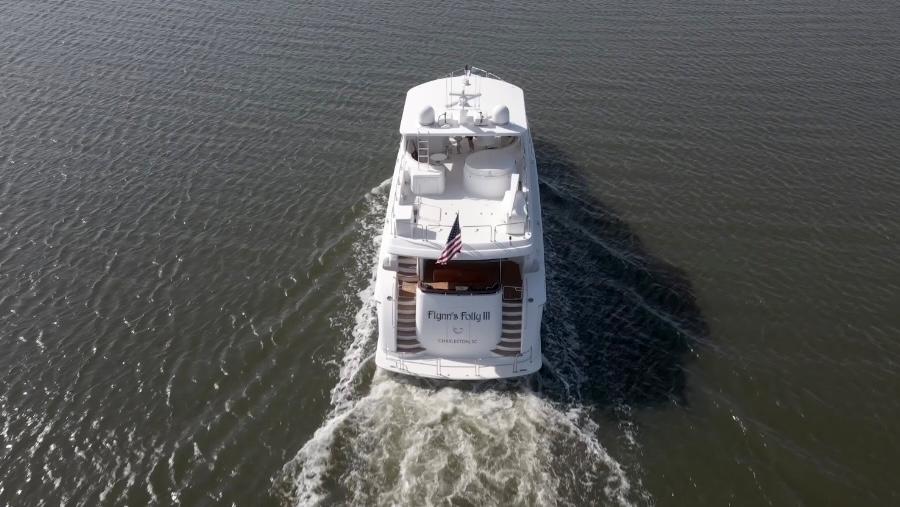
{"x":460,"y":284}
{"x":480,"y":101}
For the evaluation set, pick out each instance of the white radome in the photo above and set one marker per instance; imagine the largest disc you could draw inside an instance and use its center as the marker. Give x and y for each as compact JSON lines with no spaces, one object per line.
{"x":501,"y":115}
{"x":426,"y":117}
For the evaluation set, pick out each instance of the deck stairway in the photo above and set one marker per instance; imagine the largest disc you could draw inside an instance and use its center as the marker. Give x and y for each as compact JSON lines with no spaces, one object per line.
{"x":511,"y":337}
{"x":407,"y":278}
{"x":423,"y":155}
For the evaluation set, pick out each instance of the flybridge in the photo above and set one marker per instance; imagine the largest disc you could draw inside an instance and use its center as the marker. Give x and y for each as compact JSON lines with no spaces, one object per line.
{"x":464,"y":152}
{"x":484,"y":180}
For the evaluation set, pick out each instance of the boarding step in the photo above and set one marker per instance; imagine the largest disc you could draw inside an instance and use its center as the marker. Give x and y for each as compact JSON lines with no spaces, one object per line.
{"x":407,"y":269}
{"x":511,"y":328}
{"x":407,"y":279}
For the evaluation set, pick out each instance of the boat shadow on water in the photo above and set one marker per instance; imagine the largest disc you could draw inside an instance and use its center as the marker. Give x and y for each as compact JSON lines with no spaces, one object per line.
{"x":619,"y":322}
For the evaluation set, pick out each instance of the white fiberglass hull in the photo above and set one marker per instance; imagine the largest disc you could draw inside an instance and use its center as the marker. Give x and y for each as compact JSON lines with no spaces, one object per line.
{"x":453,"y":358}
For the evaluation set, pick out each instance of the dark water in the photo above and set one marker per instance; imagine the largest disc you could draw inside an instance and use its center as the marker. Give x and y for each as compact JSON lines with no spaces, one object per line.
{"x":190,"y":192}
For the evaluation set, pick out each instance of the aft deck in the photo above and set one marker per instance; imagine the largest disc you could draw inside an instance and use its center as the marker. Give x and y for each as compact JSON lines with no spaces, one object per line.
{"x":478,"y":180}
{"x":478,"y":216}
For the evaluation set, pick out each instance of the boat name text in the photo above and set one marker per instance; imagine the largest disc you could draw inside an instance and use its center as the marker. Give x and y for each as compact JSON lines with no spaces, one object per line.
{"x":469,"y":316}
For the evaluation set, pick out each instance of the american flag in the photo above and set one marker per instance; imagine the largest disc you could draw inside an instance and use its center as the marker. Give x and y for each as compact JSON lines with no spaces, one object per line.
{"x":454,"y":243}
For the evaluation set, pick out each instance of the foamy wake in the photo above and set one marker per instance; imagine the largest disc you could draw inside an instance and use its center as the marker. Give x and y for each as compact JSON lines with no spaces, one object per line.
{"x":413,"y":442}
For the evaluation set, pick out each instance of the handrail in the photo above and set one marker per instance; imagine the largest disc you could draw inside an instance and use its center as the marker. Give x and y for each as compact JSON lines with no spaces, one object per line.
{"x":417,"y":226}
{"x":524,"y":320}
{"x":396,"y":300}
{"x":423,"y":286}
{"x":476,"y":71}
{"x":530,"y":159}
{"x":439,"y":209}
{"x":493,"y":228}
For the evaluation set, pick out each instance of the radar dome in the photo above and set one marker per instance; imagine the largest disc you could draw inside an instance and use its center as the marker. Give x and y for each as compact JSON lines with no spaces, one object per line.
{"x":426,"y":117}
{"x":501,"y":115}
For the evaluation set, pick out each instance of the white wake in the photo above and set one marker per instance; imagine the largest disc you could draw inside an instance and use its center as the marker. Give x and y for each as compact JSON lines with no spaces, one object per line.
{"x":406,"y":441}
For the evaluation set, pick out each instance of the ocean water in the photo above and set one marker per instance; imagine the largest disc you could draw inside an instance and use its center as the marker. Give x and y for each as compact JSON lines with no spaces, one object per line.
{"x":191,"y":196}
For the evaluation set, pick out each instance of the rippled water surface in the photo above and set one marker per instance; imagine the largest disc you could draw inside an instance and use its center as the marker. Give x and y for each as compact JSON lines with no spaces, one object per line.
{"x":191,"y":193}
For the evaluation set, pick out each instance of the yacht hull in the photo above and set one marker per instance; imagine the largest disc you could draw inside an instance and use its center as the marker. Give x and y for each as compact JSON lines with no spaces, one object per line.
{"x":479,"y":315}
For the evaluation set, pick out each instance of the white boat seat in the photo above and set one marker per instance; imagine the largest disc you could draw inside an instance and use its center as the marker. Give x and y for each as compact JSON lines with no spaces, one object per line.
{"x":513,"y":207}
{"x":510,"y":194}
{"x":425,"y":179}
{"x":403,"y":220}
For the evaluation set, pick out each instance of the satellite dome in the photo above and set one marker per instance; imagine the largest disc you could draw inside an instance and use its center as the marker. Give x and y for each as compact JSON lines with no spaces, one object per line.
{"x":501,"y":115}
{"x":426,"y":117}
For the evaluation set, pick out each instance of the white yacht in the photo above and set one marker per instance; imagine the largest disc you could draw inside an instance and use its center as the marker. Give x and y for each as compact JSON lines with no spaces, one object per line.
{"x":468,"y":309}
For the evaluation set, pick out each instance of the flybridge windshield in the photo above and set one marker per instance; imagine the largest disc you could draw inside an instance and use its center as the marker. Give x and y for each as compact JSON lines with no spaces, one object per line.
{"x":469,"y":277}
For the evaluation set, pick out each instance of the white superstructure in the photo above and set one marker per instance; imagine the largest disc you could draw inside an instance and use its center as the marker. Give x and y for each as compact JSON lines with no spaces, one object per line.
{"x":465,"y":150}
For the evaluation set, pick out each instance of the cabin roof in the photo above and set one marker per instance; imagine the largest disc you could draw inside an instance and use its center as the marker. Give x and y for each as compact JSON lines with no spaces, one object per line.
{"x":482,"y":95}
